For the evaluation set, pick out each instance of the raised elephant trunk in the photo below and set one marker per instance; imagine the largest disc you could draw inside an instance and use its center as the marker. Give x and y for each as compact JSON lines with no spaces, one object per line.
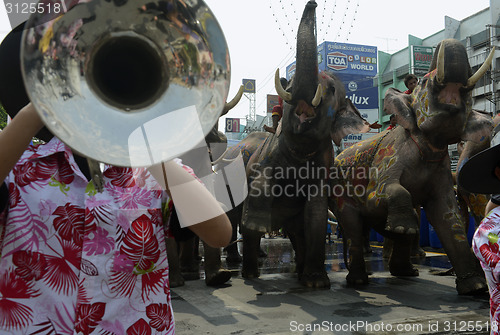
{"x":306,"y":73}
{"x":453,"y":63}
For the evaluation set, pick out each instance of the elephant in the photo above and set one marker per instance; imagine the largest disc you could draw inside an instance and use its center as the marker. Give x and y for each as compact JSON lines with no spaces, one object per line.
{"x":382,"y":179}
{"x":182,"y":250}
{"x":315,"y":112}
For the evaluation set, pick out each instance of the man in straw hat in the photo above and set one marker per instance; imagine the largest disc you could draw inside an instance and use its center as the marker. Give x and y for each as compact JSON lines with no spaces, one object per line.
{"x":481,"y":174}
{"x":72,"y":259}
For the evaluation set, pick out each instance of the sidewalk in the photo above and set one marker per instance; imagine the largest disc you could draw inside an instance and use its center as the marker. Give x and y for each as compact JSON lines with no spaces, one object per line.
{"x":277,"y":304}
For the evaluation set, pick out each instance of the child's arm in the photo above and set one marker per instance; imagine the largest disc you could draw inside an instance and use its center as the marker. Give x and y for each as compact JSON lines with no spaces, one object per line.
{"x":16,"y":136}
{"x":195,"y":205}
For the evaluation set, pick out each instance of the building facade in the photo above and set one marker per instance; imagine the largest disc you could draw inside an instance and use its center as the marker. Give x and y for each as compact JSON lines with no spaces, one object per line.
{"x":478,"y":33}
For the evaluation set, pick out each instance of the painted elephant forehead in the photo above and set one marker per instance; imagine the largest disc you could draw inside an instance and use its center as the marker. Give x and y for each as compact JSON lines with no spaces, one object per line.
{"x":420,"y":99}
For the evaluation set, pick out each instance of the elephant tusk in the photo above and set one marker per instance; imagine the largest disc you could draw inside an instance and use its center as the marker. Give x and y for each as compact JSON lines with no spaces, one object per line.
{"x":317,"y":97}
{"x":230,"y":105}
{"x":286,"y":96}
{"x":440,"y":64}
{"x":482,"y":70}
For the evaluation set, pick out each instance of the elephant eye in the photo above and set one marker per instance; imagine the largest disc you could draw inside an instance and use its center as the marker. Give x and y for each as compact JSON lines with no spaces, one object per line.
{"x":332,"y":89}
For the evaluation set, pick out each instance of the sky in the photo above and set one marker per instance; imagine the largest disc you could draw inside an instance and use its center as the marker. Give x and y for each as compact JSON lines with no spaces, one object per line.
{"x":261,"y":33}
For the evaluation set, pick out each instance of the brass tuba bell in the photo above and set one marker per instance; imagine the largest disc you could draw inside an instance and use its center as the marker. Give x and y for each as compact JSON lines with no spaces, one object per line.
{"x":127,"y":82}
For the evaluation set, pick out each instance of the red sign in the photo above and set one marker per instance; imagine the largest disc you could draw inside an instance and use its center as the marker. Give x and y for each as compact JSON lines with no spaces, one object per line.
{"x":232,"y":125}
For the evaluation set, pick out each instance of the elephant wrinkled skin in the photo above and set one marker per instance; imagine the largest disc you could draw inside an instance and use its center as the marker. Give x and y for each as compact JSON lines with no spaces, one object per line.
{"x":398,"y":169}
{"x":287,"y":172}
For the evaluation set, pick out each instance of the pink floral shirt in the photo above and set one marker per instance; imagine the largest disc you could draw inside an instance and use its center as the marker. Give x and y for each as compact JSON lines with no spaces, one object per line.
{"x":485,"y":245}
{"x":75,"y":261}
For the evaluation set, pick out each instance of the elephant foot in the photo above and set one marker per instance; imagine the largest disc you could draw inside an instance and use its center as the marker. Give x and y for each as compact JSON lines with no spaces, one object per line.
{"x":471,"y":284}
{"x":401,"y":224}
{"x":190,"y":272}
{"x":217,"y":278}
{"x":419,"y":252}
{"x":247,"y":274}
{"x":318,"y":280}
{"x":357,"y":279}
{"x":449,"y":272}
{"x":407,"y":271}
{"x":176,"y":280}
{"x":367,"y":248}
{"x":233,"y":258}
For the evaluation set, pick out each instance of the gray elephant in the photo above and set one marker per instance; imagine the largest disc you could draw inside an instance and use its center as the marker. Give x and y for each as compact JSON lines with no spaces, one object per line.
{"x":381,"y":180}
{"x":288,"y":172}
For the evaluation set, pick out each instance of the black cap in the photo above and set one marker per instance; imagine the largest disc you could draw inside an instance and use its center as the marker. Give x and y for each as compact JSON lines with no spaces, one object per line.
{"x":477,"y":175}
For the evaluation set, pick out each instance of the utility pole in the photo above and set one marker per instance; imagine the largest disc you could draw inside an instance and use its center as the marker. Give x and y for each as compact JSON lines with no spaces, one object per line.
{"x":387,"y":39}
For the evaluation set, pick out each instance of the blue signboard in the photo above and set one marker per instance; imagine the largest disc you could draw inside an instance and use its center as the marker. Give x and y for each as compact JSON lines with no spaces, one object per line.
{"x":290,"y":71}
{"x":355,"y":65}
{"x":360,"y":90}
{"x":348,"y":58}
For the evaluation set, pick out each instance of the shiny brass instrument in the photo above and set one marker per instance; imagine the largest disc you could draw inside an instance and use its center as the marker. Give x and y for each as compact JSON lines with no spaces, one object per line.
{"x":127,"y":82}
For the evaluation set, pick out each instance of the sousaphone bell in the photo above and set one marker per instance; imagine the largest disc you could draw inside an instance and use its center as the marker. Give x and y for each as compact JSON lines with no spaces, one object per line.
{"x":127,"y":82}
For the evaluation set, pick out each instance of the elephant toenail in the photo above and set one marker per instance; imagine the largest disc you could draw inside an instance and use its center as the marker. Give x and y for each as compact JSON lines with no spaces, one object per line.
{"x":399,"y":230}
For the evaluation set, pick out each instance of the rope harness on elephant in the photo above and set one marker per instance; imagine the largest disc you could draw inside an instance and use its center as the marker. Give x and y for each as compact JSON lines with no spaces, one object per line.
{"x":422,"y":154}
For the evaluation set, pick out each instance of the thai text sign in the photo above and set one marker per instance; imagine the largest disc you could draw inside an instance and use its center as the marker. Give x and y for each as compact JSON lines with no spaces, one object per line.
{"x":232,"y":125}
{"x":421,"y":58}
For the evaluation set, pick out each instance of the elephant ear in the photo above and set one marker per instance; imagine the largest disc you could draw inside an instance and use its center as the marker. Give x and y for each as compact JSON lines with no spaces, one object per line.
{"x":399,"y":104}
{"x":478,"y":127}
{"x":347,"y":121}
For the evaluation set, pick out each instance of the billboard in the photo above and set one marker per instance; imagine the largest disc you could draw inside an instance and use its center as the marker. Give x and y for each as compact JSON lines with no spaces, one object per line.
{"x":360,"y":90}
{"x":272,"y":100}
{"x":348,"y":58}
{"x":356,"y":66}
{"x":248,"y":85}
{"x":421,"y":58}
{"x":232,"y":125}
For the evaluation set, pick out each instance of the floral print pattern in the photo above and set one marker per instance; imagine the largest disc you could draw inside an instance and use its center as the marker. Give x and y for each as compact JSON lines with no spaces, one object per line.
{"x":76,"y":261}
{"x":485,"y":245}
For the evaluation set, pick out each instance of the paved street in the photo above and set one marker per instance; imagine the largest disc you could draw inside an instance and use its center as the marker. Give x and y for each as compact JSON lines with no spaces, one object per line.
{"x":276,"y":303}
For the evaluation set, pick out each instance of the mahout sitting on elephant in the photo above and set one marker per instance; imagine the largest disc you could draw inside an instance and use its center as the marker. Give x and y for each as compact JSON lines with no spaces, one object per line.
{"x":288,"y":171}
{"x":396,"y":170}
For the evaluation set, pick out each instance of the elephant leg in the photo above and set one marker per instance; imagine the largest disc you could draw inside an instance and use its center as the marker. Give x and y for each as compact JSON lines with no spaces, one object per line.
{"x":401,"y":216}
{"x":189,"y":264}
{"x":442,"y":213}
{"x":352,"y":230}
{"x":175,"y":276}
{"x":214,"y":274}
{"x":367,"y":248}
{"x":314,"y":226}
{"x":388,"y":247}
{"x":400,"y":261}
{"x":233,"y":255}
{"x":298,"y":248}
{"x":251,"y":247}
{"x":416,"y":250}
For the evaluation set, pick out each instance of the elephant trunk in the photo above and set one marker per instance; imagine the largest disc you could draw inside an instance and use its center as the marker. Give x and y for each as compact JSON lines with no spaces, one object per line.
{"x":452,"y":63}
{"x":306,"y":72}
